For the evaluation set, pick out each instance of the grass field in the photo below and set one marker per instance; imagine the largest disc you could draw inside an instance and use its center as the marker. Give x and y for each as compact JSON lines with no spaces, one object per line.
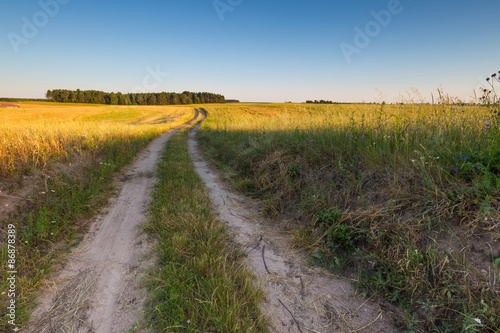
{"x":63,"y":158}
{"x":404,"y":198}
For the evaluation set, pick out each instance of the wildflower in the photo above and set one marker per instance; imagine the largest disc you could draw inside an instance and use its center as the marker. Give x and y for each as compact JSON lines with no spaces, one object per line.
{"x":477,"y":320}
{"x":476,"y":168}
{"x":455,"y":169}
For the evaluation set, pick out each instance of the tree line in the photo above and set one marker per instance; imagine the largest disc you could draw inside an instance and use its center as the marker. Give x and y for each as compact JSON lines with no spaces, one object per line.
{"x":14,"y":100}
{"x":163,"y":98}
{"x":322,"y":101}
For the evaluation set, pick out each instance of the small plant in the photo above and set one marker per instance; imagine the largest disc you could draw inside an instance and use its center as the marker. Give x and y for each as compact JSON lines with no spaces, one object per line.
{"x":328,"y":216}
{"x":293,"y":170}
{"x":339,"y":236}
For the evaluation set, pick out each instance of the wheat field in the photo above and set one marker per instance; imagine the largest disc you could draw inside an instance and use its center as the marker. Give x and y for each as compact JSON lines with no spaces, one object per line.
{"x":33,"y":136}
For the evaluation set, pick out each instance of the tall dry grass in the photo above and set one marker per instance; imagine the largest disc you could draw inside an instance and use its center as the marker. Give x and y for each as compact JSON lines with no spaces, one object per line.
{"x":33,"y":136}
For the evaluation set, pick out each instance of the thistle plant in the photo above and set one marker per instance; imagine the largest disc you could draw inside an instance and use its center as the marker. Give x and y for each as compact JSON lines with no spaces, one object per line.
{"x":490,"y":97}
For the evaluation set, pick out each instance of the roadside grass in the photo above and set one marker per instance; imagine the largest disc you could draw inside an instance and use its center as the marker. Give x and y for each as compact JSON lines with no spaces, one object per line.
{"x":69,"y":178}
{"x":405,"y":198}
{"x":200,"y":283}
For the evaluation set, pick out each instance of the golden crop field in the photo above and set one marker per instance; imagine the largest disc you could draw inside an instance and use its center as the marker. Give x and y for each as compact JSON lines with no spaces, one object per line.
{"x":403,"y":197}
{"x":38,"y":133}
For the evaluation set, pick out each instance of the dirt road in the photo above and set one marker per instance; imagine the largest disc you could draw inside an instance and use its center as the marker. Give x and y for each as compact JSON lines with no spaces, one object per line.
{"x":98,"y":290}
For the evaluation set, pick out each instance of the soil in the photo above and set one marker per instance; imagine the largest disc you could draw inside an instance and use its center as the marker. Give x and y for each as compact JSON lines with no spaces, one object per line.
{"x":298,"y":298}
{"x":9,"y":106}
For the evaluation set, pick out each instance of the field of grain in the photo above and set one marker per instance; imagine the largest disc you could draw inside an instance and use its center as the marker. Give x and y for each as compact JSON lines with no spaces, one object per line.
{"x":33,"y":136}
{"x":402,"y":198}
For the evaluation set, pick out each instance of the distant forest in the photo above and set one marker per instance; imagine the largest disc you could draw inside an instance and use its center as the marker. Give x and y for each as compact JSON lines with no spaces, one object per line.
{"x":163,"y":98}
{"x":320,"y":102}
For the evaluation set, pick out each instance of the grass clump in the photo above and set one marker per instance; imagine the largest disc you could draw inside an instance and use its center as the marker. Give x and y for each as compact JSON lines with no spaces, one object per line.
{"x":199,"y":284}
{"x":403,"y":197}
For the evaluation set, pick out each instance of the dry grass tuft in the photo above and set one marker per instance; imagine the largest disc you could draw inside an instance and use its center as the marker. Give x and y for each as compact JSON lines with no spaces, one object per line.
{"x":69,"y":313}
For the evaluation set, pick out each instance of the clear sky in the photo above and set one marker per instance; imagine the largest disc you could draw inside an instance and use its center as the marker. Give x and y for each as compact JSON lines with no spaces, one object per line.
{"x":252,"y":50}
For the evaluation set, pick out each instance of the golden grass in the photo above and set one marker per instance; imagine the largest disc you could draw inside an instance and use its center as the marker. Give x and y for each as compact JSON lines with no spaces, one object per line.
{"x":38,"y":133}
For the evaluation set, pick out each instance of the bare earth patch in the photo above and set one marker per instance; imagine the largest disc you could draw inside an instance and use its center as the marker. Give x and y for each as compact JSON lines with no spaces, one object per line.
{"x":99,"y":288}
{"x":298,"y":298}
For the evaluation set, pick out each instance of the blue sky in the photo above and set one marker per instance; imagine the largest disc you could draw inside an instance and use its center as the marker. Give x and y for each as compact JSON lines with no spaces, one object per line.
{"x":252,"y":50}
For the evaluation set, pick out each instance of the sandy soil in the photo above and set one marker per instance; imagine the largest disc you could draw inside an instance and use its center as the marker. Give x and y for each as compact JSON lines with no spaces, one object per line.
{"x":99,"y":288}
{"x":298,"y":298}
